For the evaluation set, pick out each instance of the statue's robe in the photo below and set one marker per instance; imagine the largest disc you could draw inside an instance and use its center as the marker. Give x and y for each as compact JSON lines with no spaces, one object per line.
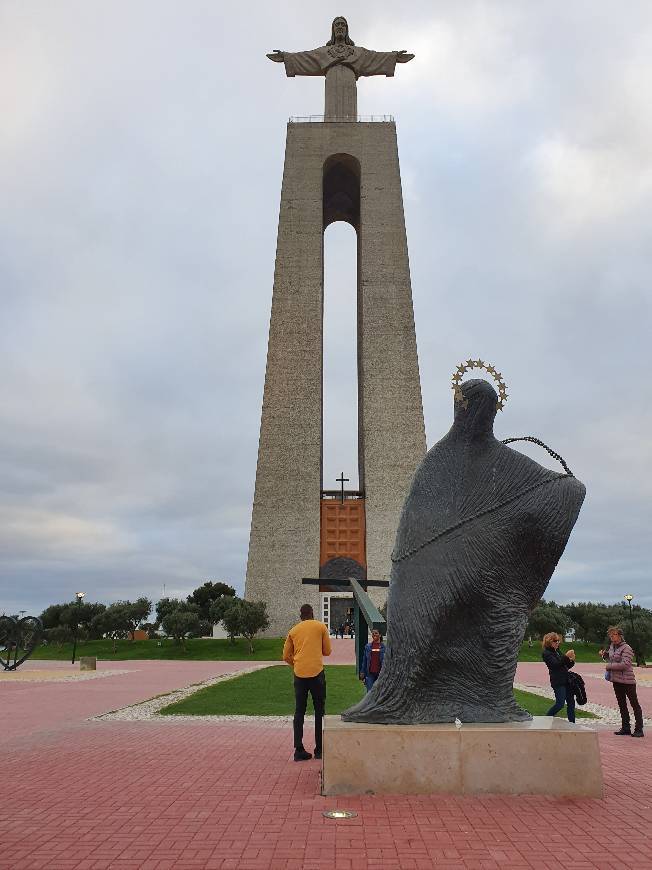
{"x":341,"y":65}
{"x":481,"y":532}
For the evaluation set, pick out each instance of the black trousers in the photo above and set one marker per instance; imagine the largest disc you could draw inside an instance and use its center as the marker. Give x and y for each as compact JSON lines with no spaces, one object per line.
{"x":623,"y":691}
{"x":317,"y":688}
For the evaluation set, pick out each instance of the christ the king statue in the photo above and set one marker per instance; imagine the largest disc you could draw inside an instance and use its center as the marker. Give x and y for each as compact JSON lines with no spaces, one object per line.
{"x":342,"y":62}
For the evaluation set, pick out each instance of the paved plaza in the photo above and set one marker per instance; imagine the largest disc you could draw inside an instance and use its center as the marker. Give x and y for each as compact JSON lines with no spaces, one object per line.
{"x":82,"y":794}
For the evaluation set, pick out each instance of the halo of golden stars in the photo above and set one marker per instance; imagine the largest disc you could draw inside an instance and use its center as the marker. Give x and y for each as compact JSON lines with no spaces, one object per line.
{"x":491,"y":370}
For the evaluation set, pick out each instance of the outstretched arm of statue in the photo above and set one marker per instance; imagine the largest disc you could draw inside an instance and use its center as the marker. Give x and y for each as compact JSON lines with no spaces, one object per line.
{"x":378,"y":63}
{"x":298,"y":63}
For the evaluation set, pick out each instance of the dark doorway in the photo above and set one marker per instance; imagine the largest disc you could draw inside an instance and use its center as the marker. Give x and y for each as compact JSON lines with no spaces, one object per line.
{"x":340,"y":612}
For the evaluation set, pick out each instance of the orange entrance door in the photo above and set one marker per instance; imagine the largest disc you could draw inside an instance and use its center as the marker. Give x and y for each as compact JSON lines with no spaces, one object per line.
{"x":343,"y":530}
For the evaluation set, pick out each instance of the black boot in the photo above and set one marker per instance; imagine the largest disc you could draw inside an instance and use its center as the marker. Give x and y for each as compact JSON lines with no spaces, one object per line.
{"x":638,"y":732}
{"x":302,"y":755}
{"x":624,"y":731}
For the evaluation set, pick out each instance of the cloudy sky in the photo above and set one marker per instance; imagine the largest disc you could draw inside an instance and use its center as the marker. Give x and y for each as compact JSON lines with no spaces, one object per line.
{"x":141,"y":152}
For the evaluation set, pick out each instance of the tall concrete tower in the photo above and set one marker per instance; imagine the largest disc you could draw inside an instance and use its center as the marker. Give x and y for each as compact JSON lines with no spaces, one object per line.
{"x":338,"y":167}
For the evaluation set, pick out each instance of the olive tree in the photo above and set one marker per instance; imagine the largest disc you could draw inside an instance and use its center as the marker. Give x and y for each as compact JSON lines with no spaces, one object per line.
{"x":179,"y":624}
{"x":114,"y":622}
{"x":253,"y":618}
{"x":218,"y":613}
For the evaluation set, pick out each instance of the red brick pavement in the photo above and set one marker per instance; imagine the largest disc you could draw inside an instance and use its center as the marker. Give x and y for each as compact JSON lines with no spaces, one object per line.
{"x":84,"y":795}
{"x":44,"y":706}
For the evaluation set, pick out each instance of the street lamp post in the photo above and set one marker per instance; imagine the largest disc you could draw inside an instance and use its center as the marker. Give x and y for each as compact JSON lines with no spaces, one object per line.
{"x":80,"y":597}
{"x":629,"y":599}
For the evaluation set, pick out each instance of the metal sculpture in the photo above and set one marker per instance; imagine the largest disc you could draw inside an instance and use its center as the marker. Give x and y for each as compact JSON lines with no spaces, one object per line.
{"x":18,"y":639}
{"x":479,"y":538}
{"x":491,"y":370}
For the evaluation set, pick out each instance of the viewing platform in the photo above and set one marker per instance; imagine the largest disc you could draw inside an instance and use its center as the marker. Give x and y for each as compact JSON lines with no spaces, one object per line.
{"x":336,"y":119}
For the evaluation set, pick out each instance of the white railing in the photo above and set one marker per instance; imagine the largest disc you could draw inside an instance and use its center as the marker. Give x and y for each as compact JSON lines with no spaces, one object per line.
{"x":307,"y":119}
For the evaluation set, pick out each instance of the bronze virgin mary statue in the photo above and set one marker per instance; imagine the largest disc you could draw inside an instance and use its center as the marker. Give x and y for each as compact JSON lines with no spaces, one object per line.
{"x":481,"y":532}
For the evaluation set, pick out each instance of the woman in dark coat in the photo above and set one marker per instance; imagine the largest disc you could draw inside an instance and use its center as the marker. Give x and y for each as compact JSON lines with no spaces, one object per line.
{"x":558,"y":667}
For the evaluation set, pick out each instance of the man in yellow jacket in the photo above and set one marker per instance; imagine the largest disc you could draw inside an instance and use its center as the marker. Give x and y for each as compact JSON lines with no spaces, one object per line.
{"x":305,"y":645}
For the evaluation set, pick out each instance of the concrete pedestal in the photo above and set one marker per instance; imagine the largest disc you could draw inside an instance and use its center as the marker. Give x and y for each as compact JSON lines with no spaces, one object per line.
{"x":545,"y":756}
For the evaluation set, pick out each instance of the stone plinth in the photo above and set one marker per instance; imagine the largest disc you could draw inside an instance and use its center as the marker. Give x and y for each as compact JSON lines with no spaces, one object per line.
{"x":545,"y":756}
{"x":87,"y":663}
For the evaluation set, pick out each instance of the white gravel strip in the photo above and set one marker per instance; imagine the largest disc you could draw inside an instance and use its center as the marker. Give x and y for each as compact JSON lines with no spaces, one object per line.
{"x":33,"y":676}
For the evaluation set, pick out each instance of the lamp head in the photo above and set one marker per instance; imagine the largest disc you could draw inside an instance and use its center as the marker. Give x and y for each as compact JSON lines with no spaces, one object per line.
{"x":79,"y":596}
{"x":628,"y":598}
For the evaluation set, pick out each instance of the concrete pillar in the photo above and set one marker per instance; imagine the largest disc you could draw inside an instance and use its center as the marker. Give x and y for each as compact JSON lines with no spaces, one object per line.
{"x":284,"y":541}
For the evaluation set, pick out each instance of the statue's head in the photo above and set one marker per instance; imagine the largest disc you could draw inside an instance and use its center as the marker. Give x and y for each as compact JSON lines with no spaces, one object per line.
{"x":477,"y":409}
{"x":340,"y":32}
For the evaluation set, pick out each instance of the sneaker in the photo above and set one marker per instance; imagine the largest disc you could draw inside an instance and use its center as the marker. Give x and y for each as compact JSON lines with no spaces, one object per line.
{"x":302,"y":755}
{"x":318,"y":751}
{"x":623,"y":732}
{"x":637,"y":733}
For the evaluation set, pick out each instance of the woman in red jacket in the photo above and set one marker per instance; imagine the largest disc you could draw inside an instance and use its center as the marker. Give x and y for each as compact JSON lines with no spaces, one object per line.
{"x":372,"y":662}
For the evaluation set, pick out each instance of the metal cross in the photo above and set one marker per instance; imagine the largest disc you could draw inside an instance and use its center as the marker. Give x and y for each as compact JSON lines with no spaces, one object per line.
{"x":342,"y":480}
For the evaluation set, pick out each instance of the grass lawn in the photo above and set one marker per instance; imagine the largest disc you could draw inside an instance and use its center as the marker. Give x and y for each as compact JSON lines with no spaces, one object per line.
{"x":198,"y":649}
{"x":267,"y":649}
{"x":269,"y":692}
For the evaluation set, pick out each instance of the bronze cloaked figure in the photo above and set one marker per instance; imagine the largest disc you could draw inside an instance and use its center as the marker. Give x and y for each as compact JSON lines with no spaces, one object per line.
{"x":481,"y":532}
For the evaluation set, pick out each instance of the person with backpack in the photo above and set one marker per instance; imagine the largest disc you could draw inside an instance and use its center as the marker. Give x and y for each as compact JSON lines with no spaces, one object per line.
{"x":558,"y":666}
{"x":620,"y":673}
